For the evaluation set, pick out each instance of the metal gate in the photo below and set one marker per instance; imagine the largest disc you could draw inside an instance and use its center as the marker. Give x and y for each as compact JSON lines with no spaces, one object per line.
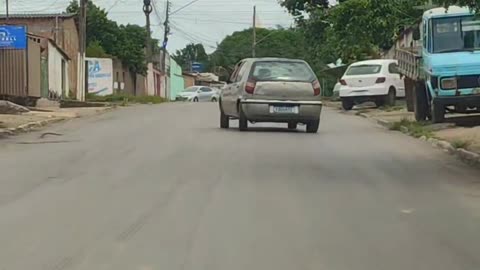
{"x":13,"y":73}
{"x":13,"y":61}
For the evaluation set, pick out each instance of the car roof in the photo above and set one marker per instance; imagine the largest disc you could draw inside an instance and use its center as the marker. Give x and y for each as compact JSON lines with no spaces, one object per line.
{"x":268,"y":59}
{"x":374,"y":62}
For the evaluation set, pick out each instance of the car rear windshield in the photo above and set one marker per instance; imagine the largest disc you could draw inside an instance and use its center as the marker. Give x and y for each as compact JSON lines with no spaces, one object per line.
{"x":282,"y":71}
{"x":364,"y":70}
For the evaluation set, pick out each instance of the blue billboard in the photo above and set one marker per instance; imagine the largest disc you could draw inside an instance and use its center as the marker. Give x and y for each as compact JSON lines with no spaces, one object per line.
{"x":197,"y":67}
{"x":13,"y":37}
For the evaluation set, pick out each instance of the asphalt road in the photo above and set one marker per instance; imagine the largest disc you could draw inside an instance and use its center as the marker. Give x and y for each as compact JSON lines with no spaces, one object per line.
{"x":162,"y":187}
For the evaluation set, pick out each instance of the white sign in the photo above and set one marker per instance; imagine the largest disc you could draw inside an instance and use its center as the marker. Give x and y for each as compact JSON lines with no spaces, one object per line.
{"x":100,"y":76}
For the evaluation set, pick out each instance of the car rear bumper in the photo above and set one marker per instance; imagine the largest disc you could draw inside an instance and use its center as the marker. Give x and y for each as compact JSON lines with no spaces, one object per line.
{"x":260,"y":111}
{"x":373,"y":90}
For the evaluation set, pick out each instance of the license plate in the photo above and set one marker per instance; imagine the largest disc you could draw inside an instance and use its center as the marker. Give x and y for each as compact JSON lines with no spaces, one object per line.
{"x":284,"y":109}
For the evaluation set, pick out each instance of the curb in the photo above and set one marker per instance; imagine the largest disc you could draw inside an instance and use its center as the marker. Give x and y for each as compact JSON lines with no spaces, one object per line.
{"x":471,"y":158}
{"x":28,"y":127}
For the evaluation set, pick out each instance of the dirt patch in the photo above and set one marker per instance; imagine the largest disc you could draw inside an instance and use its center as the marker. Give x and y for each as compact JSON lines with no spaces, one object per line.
{"x":469,"y":136}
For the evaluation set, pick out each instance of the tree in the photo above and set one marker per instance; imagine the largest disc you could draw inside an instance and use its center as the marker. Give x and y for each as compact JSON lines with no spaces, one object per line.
{"x":191,"y":53}
{"x":288,"y":43}
{"x":107,"y":39}
{"x":475,"y":4}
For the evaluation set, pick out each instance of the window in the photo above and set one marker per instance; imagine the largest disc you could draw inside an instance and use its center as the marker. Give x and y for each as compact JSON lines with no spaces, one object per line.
{"x":363,"y":70}
{"x":242,"y":72}
{"x":456,"y":34}
{"x":205,"y":89}
{"x":393,"y":68}
{"x":234,"y":77}
{"x":282,"y":71}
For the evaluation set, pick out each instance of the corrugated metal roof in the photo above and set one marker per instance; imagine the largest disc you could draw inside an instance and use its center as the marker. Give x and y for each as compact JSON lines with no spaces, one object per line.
{"x":38,"y":15}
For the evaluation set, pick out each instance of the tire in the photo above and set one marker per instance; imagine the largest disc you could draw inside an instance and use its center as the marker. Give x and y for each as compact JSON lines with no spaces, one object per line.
{"x":313,"y":126}
{"x":195,"y":99}
{"x":438,"y":113}
{"x":242,"y":119}
{"x":390,"y":98}
{"x":214,"y":99}
{"x":347,"y":104}
{"x":420,"y":102}
{"x":292,"y":125}
{"x":224,"y":120}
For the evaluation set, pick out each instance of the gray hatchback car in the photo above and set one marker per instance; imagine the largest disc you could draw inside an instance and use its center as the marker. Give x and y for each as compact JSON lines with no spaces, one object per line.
{"x":272,"y":90}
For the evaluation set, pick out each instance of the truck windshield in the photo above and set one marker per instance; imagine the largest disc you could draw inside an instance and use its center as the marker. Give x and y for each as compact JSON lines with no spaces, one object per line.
{"x":456,"y":34}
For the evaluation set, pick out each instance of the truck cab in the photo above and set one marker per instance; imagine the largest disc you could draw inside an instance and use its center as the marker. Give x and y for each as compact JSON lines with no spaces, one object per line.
{"x":444,"y":71}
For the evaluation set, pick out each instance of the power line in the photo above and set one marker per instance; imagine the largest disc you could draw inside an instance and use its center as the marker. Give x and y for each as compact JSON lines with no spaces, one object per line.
{"x":183,"y":7}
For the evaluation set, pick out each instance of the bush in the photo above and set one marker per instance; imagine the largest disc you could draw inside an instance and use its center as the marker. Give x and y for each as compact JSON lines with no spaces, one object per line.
{"x":125,"y":98}
{"x":459,"y":143}
{"x":416,"y":129}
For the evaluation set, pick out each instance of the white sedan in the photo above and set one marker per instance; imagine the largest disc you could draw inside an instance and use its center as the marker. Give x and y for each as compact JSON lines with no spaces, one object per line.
{"x":373,"y":80}
{"x":198,"y":94}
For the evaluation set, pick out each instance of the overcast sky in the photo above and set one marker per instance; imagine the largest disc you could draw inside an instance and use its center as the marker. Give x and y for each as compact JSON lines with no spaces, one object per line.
{"x":205,"y":21}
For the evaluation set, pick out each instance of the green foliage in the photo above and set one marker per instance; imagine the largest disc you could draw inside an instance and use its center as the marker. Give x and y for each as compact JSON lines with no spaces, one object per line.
{"x":105,"y":37}
{"x":287,"y":43}
{"x":191,"y":53}
{"x":413,"y":128}
{"x":470,"y":3}
{"x":94,"y":49}
{"x":459,"y":143}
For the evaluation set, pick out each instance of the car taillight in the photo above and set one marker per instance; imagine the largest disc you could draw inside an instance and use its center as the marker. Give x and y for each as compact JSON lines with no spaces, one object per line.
{"x":381,"y":80}
{"x":317,"y":89}
{"x":250,"y":87}
{"x":343,"y":82}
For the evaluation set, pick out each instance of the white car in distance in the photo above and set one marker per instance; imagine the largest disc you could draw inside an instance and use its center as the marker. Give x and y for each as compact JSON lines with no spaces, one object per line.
{"x":373,"y":80}
{"x":198,"y":94}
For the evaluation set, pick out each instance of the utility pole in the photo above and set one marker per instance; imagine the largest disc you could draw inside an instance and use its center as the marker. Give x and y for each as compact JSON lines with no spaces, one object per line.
{"x":166,"y":25}
{"x":6,"y":9}
{"x":81,"y":78}
{"x":254,"y":44}
{"x":147,"y":9}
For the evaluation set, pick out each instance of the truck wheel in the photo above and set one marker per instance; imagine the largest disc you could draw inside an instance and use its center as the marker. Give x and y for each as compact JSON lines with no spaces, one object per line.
{"x":242,"y":120}
{"x":438,"y":113}
{"x":389,"y":99}
{"x":420,"y":102}
{"x":347,"y":104}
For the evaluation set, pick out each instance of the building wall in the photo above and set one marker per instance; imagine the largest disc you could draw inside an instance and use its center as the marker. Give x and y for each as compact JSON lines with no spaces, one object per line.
{"x":57,"y":87}
{"x":188,"y":81}
{"x":177,"y":82}
{"x":34,"y":68}
{"x":65,"y":36}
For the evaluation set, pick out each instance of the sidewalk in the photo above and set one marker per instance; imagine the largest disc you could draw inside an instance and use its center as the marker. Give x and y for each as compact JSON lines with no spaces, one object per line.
{"x":14,"y":124}
{"x":460,"y":135}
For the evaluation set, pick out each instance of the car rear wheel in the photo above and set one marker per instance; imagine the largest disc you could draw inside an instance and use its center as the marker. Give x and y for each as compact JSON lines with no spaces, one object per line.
{"x":224,"y":120}
{"x":390,"y":97}
{"x":242,"y":119}
{"x":312,"y":127}
{"x":214,"y":99}
{"x":347,"y":104}
{"x":195,"y":99}
{"x":292,"y":125}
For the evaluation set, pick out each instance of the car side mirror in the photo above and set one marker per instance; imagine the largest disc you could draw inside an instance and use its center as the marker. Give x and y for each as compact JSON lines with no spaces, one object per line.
{"x":416,"y":33}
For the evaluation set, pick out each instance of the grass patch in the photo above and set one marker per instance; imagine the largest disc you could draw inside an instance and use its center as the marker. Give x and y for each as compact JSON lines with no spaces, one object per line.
{"x":459,"y":143}
{"x":416,"y":129}
{"x":124,"y":99}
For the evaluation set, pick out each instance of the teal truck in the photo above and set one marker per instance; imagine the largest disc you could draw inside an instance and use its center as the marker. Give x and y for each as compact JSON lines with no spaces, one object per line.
{"x":442,"y":73}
